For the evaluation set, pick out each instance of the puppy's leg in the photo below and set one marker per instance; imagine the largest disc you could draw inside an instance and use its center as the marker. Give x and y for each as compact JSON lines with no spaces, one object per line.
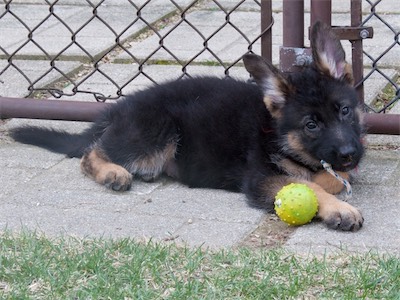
{"x":329,"y":183}
{"x":98,"y":166}
{"x":336,"y":214}
{"x":139,"y":139}
{"x":152,"y":164}
{"x":322,"y":178}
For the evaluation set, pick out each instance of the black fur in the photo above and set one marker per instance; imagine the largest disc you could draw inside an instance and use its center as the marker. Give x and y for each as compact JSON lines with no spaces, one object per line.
{"x":230,"y":134}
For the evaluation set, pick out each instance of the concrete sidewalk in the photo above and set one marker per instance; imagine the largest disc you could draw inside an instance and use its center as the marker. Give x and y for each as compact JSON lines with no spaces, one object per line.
{"x":46,"y":191}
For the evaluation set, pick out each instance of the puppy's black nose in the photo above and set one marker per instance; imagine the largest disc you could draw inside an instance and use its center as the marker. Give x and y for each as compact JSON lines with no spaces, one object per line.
{"x":346,"y":153}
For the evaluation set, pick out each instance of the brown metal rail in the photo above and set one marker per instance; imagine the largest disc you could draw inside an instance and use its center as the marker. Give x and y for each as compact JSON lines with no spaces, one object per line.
{"x":382,"y":123}
{"x":50,"y":109}
{"x":88,"y":111}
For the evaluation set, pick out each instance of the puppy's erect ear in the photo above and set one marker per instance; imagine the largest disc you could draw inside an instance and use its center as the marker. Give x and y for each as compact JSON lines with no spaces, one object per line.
{"x":328,"y":53}
{"x":273,"y":84}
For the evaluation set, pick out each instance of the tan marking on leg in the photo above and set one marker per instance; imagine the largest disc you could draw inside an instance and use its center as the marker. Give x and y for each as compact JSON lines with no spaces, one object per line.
{"x":96,"y":165}
{"x":151,"y":166}
{"x":336,"y":214}
{"x":329,"y":183}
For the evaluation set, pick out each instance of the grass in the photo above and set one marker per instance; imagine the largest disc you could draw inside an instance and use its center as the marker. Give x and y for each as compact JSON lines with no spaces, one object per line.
{"x":35,"y":267}
{"x":386,"y":96}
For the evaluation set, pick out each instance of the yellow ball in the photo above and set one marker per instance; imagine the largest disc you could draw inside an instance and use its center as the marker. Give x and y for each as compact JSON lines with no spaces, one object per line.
{"x":296,"y":204}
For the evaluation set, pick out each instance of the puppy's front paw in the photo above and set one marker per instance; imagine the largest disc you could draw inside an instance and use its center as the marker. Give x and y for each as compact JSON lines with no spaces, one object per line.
{"x":336,"y":214}
{"x":341,"y":215}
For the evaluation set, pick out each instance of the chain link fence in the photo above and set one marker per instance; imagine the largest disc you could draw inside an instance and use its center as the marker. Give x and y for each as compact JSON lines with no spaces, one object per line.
{"x":121,"y":41}
{"x":75,"y":47}
{"x":380,"y":58}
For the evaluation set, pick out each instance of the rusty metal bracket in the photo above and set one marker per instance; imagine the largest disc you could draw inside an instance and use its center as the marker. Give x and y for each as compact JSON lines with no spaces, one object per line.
{"x":296,"y":57}
{"x":350,"y":33}
{"x":353,"y":33}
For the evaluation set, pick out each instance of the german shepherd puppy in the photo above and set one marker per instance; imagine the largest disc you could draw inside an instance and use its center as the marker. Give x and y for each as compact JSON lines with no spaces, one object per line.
{"x":228,"y":134}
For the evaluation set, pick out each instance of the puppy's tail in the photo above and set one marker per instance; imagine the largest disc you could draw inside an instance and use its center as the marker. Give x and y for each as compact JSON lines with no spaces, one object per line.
{"x":73,"y":145}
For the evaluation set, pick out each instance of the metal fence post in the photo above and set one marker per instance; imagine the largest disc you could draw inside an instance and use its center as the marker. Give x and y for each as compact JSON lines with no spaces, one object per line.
{"x":357,"y":50}
{"x":292,"y":53}
{"x":293,"y":23}
{"x":321,"y":10}
{"x":266,"y":29}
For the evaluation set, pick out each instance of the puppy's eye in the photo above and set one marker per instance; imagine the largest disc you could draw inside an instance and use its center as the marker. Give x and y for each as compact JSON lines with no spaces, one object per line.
{"x":311,"y":125}
{"x":345,"y":110}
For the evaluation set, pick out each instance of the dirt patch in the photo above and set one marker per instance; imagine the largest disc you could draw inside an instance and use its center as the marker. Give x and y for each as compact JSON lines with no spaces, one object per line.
{"x":384,"y":147}
{"x":271,"y":233}
{"x":2,"y":129}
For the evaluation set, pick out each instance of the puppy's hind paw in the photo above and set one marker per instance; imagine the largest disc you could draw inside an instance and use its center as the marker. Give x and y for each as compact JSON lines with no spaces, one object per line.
{"x":97,"y":166}
{"x":118,"y":181}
